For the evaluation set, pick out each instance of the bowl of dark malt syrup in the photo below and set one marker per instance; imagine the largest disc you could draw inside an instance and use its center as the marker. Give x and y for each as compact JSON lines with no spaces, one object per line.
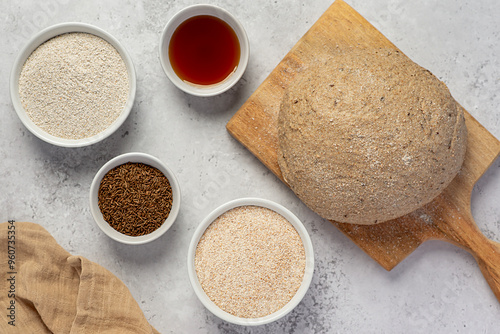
{"x":134,"y":198}
{"x":204,"y":50}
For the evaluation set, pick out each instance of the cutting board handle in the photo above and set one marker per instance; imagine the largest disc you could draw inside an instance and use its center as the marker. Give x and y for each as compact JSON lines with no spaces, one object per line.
{"x":462,"y":231}
{"x":488,"y":259}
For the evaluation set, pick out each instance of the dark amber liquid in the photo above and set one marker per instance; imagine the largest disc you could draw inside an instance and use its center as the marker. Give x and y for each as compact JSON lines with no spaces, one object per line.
{"x":204,"y":50}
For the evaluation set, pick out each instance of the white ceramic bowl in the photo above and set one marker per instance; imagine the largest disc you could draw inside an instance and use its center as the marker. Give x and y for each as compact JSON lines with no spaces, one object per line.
{"x":308,"y":274}
{"x":39,"y":39}
{"x":139,"y":158}
{"x":196,"y":10}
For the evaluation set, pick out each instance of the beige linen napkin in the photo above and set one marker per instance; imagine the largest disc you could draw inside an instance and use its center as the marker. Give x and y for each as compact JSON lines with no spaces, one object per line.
{"x":45,"y":289}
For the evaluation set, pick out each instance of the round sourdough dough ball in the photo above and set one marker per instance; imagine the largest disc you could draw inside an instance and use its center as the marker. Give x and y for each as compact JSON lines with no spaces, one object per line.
{"x":366,"y":136}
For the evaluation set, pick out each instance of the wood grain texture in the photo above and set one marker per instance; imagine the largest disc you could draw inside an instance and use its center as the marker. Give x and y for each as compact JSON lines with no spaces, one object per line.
{"x":447,"y":218}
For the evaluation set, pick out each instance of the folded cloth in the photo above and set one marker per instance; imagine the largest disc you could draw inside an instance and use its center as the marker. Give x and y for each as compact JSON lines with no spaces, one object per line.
{"x":45,"y":289}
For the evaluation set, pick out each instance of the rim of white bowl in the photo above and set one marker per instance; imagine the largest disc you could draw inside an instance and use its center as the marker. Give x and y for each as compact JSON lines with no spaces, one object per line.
{"x":135,"y":157}
{"x":308,"y":273}
{"x":40,"y":38}
{"x":196,"y":10}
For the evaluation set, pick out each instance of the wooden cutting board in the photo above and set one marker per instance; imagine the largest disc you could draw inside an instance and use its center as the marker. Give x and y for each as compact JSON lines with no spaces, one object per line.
{"x":447,"y":218}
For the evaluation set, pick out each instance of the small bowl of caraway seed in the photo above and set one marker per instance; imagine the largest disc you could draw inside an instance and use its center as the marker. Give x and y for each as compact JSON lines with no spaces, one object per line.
{"x":250,"y":261}
{"x":134,"y":198}
{"x":73,"y":84}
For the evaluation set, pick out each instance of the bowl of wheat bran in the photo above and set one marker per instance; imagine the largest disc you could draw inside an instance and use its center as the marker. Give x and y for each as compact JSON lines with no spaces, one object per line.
{"x":250,"y":261}
{"x":73,"y":84}
{"x":135,"y":198}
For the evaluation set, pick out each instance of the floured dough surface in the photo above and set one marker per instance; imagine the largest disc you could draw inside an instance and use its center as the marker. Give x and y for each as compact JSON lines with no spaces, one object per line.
{"x":366,"y":136}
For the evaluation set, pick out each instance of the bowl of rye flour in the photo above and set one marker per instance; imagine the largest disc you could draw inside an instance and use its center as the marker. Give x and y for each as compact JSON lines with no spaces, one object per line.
{"x":250,"y":261}
{"x":73,"y":84}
